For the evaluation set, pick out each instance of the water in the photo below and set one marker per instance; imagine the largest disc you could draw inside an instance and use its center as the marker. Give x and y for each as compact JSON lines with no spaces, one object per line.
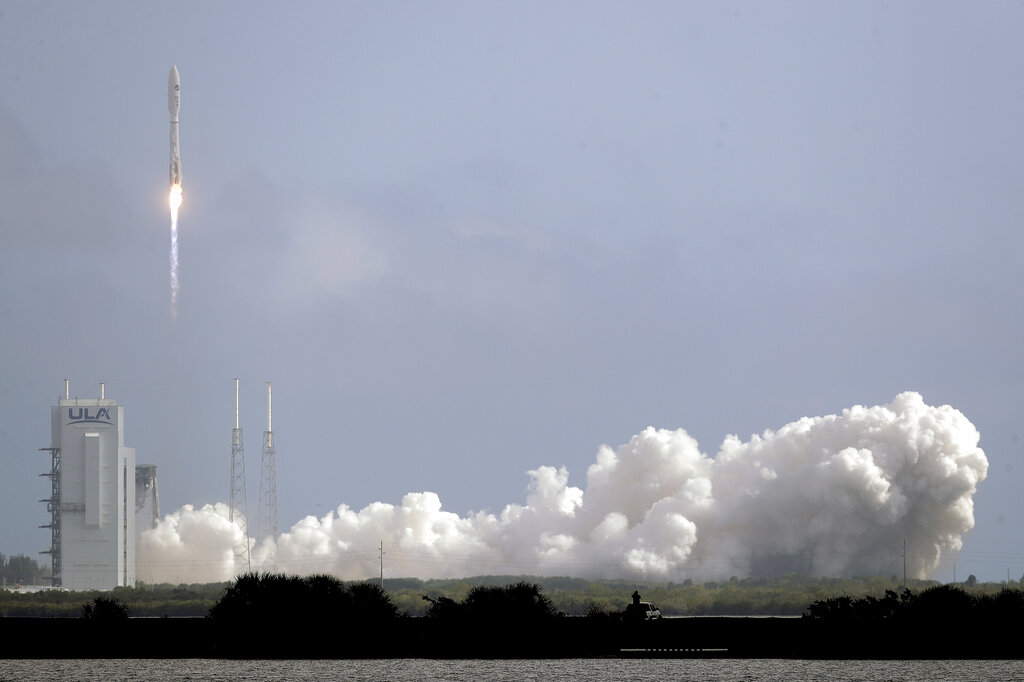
{"x":401,"y":670}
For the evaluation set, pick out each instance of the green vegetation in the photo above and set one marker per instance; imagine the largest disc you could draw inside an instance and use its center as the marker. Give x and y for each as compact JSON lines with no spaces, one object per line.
{"x":321,"y":616}
{"x":144,"y":600}
{"x":935,"y":604}
{"x":785,"y":595}
{"x":521,"y":602}
{"x":275,"y":598}
{"x":105,"y":609}
{"x":22,"y":570}
{"x":309,"y":616}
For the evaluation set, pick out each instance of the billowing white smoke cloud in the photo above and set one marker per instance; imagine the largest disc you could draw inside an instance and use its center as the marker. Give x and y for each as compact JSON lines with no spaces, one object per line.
{"x":826,"y":495}
{"x":189,"y":546}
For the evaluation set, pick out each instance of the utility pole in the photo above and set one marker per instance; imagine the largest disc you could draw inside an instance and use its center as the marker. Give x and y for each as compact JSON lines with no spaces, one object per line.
{"x":381,"y":550}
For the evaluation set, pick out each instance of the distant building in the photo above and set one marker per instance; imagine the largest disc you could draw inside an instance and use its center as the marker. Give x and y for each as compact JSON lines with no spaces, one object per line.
{"x":93,"y":505}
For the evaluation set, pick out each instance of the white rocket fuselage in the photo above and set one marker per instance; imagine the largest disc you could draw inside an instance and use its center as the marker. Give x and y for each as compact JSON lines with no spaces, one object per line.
{"x":173,"y":105}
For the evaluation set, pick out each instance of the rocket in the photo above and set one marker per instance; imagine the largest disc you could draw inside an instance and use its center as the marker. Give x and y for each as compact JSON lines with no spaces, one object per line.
{"x":173,"y":104}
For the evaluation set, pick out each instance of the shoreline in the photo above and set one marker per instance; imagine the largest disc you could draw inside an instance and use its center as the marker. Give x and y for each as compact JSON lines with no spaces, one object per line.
{"x":559,"y":638}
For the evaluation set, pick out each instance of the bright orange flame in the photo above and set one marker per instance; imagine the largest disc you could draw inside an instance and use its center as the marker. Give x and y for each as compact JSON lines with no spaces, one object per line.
{"x":175,"y":200}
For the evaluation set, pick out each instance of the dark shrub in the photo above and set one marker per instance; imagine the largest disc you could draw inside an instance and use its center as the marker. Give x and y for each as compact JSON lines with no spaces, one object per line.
{"x":105,"y":609}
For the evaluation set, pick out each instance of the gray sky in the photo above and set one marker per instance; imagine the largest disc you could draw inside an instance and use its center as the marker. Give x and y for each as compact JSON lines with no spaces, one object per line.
{"x":468,"y":239}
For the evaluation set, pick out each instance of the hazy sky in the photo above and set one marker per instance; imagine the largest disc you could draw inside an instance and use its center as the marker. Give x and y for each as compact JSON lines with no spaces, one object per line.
{"x":465,"y":239}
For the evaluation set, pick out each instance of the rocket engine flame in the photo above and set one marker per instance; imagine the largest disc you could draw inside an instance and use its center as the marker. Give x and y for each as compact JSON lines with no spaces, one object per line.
{"x":175,"y":203}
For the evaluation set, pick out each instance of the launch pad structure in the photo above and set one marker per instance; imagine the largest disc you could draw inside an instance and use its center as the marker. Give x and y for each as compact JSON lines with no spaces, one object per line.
{"x":93,"y":504}
{"x":267,"y":524}
{"x":237,"y":505}
{"x":53,"y":505}
{"x":100,"y":501}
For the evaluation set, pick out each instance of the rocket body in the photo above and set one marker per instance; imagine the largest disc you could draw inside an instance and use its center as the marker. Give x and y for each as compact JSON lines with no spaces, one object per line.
{"x":173,"y":105}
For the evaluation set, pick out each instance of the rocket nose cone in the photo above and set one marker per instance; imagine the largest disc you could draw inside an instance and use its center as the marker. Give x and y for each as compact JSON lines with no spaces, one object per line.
{"x":173,"y":92}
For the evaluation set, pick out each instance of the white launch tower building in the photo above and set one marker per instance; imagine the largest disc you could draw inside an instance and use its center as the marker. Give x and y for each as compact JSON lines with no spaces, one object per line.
{"x":92,"y":505}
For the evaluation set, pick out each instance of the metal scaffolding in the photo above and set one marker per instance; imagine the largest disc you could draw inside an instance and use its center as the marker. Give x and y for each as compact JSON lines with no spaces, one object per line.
{"x":267,"y":525}
{"x":53,"y":505}
{"x":237,"y":510}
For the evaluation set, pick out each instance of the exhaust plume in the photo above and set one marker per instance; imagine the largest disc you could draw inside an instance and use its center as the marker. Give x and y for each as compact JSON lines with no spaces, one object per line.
{"x":175,"y":202}
{"x":833,"y":495}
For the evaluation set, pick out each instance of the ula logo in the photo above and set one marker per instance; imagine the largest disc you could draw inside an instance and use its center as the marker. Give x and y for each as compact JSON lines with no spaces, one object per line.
{"x":78,"y":415}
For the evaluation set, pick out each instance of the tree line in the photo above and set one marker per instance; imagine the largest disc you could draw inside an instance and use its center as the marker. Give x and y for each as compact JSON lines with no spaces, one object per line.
{"x":784,"y":595}
{"x":268,"y":615}
{"x":938,"y":603}
{"x":22,"y":570}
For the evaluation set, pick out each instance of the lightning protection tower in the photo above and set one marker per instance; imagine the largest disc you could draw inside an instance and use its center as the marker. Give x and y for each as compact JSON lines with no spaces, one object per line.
{"x":237,"y":510}
{"x":268,"y":482}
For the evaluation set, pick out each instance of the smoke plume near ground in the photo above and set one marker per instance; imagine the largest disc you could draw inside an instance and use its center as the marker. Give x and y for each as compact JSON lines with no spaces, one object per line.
{"x":831,"y":495}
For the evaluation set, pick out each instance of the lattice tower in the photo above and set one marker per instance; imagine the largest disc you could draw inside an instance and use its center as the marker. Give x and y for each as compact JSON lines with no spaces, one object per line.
{"x":53,"y":505}
{"x":237,"y":511}
{"x":268,"y":482}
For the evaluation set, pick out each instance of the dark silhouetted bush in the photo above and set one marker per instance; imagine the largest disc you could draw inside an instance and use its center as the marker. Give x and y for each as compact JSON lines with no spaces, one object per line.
{"x":105,"y":609}
{"x":521,"y":602}
{"x":443,"y":608}
{"x":514,"y":620}
{"x":313,"y":615}
{"x":517,"y":603}
{"x":943,"y":602}
{"x":935,"y":605}
{"x":1008,"y":604}
{"x":368,"y":604}
{"x":282,"y":598}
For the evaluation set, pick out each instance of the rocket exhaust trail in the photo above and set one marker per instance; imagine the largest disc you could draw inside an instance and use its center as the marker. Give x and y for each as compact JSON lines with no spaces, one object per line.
{"x":175,"y":201}
{"x":173,"y":105}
